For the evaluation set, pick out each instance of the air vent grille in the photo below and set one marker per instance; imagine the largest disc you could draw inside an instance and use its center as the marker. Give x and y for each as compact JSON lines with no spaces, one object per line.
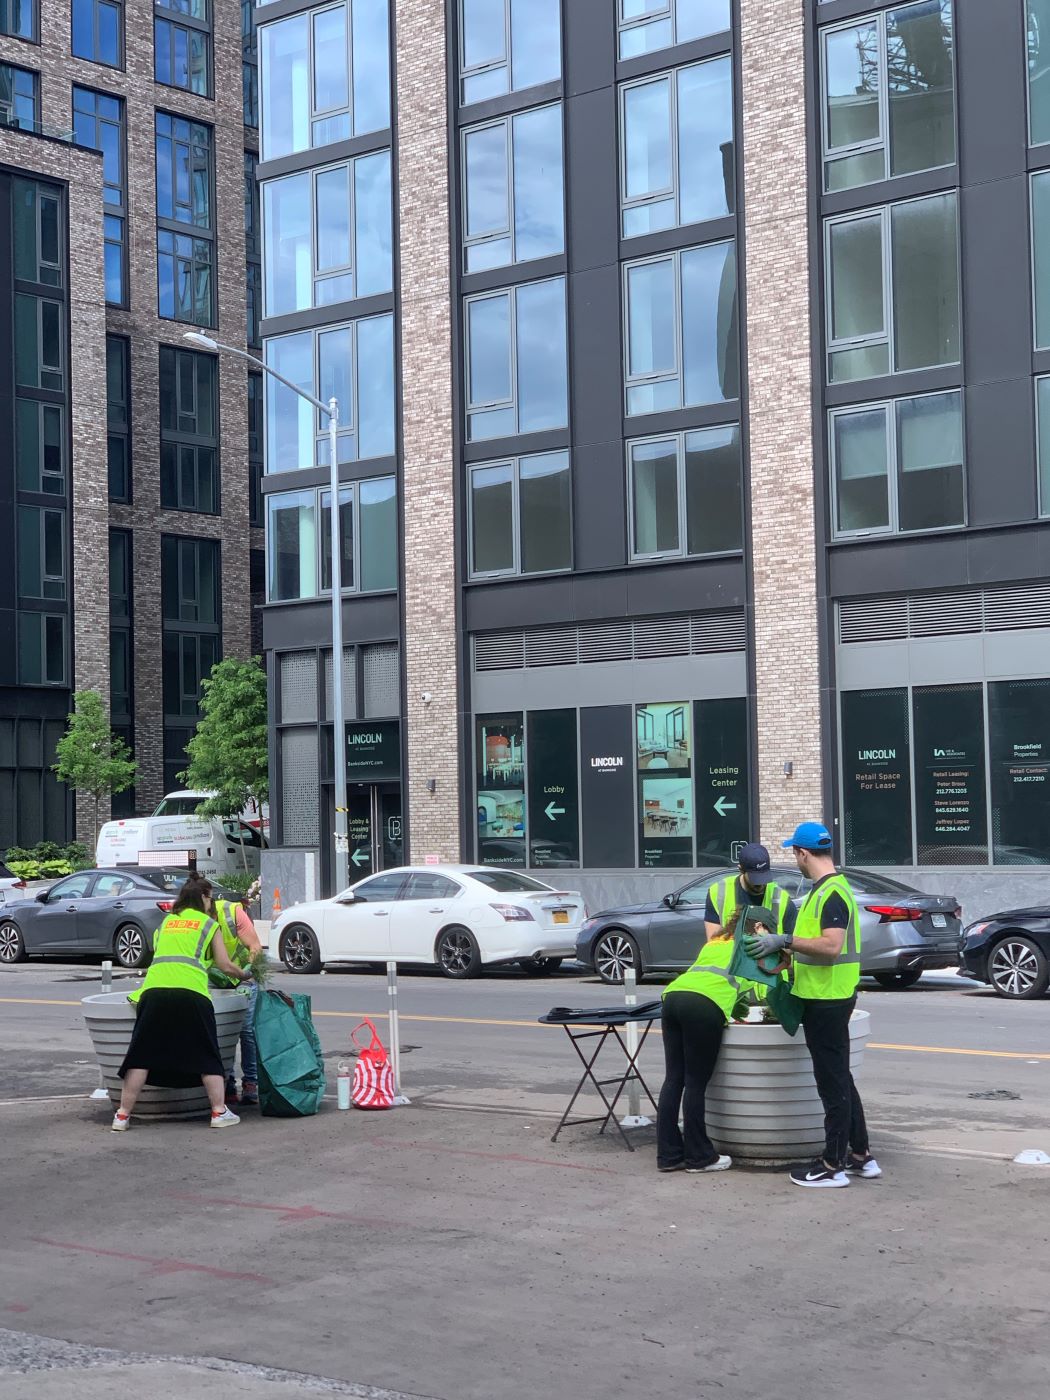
{"x":966,"y":610}
{"x":639,"y":640}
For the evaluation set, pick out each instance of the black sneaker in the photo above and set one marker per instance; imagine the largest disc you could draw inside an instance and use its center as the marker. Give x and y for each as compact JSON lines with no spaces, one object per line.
{"x":818,"y":1173}
{"x":672,"y":1167}
{"x":865,"y":1167}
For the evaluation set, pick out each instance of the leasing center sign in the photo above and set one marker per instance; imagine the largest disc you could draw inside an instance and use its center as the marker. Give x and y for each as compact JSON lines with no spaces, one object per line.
{"x":373,"y":751}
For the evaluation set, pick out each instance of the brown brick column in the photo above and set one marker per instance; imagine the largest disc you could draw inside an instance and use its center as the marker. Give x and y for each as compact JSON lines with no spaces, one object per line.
{"x":783,"y":544}
{"x":430,"y":632}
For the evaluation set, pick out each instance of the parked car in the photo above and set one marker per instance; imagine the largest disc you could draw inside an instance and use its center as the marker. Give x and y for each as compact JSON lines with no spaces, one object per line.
{"x":1010,"y":951}
{"x":113,"y":912}
{"x":903,"y":932}
{"x":12,"y":886}
{"x":459,"y":918}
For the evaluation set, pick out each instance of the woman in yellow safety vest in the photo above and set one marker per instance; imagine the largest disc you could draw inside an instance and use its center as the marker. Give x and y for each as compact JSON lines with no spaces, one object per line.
{"x":175,"y":1044}
{"x":696,"y":1010}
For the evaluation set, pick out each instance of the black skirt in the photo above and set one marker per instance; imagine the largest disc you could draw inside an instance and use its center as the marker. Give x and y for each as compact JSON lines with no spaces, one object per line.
{"x":174,"y":1038}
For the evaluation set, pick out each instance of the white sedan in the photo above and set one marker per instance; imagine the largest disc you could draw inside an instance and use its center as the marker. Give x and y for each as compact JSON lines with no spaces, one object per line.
{"x":459,"y":918}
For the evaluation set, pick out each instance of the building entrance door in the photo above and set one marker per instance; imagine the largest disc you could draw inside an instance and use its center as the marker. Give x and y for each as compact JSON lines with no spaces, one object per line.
{"x":374,"y":823}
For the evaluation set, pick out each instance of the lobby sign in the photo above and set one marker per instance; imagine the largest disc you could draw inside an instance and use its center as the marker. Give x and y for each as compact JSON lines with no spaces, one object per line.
{"x":553,"y":789}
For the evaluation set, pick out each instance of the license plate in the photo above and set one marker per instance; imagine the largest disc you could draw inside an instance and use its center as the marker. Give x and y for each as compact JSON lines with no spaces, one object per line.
{"x":939,"y":920}
{"x":561,"y":916}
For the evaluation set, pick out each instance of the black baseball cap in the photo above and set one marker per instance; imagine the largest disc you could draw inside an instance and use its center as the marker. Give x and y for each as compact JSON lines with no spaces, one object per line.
{"x":754,"y":862}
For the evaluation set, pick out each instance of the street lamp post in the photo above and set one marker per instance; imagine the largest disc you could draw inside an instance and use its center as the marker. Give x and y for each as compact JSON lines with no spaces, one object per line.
{"x":331,"y":408}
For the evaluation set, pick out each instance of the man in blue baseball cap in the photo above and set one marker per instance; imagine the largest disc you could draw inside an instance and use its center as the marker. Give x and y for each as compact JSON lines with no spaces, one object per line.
{"x":825,"y":945}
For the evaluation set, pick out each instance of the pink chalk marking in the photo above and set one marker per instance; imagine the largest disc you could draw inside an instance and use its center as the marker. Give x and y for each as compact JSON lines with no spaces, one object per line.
{"x":18,"y":1307}
{"x":285,"y":1212}
{"x":159,"y":1266}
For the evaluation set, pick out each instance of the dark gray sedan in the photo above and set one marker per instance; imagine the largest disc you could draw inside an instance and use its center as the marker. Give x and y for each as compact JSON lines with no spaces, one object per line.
{"x":113,"y":912}
{"x":903,"y":932}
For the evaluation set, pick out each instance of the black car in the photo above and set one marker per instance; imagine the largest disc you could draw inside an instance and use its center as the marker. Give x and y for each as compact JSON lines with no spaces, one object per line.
{"x":903,"y":931}
{"x":1010,"y":951}
{"x":113,"y":912}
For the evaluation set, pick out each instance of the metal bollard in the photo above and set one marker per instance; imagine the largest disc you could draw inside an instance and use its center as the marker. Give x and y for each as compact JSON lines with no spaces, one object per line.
{"x":395,"y":1042}
{"x":107,"y":986}
{"x":635,"y":1118}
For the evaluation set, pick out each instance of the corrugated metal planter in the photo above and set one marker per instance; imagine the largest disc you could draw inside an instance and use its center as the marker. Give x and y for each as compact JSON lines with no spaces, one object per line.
{"x":110,"y":1020}
{"x":762,"y":1104}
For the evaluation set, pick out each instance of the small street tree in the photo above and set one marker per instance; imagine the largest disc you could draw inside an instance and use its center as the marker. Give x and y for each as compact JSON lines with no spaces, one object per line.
{"x":91,"y":758}
{"x":228,"y":753}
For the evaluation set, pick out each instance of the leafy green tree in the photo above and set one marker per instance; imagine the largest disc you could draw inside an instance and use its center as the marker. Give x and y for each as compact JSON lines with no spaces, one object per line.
{"x":229,"y":753}
{"x":91,"y":758}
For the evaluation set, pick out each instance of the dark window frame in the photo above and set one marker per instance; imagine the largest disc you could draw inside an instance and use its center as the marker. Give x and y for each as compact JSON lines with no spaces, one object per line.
{"x":96,"y":7}
{"x":183,"y":139}
{"x":175,"y":440}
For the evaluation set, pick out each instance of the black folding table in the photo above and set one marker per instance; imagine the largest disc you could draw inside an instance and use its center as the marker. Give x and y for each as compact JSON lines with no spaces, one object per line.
{"x":602,"y":1024}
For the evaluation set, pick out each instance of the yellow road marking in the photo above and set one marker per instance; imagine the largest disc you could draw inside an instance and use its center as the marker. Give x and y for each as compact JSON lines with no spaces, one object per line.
{"x":533,"y":1025}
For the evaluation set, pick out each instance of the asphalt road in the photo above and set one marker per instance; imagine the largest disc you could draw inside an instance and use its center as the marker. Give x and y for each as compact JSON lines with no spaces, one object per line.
{"x":449,"y":1250}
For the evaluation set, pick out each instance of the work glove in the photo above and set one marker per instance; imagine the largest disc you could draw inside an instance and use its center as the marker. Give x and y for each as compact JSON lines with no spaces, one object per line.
{"x":762,"y":945}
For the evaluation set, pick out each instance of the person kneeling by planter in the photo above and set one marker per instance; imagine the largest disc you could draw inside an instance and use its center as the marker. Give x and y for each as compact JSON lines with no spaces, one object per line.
{"x":697,"y":1007}
{"x":175,"y":1044}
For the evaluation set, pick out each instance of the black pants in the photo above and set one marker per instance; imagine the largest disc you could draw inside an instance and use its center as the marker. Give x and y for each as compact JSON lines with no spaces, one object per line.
{"x":692,"y":1029}
{"x":825,"y":1025}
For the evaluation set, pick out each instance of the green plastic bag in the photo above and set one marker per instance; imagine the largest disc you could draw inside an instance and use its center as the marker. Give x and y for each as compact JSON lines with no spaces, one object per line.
{"x":291,"y":1068}
{"x":780,"y":999}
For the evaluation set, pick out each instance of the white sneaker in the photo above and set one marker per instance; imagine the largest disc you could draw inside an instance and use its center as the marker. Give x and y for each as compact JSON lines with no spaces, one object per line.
{"x":121,"y":1122}
{"x":225,"y":1119}
{"x":723,"y":1164}
{"x":868,"y":1169}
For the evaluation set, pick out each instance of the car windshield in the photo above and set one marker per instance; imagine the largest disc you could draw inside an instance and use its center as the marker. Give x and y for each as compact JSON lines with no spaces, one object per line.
{"x":506,"y":881}
{"x":178,"y":806}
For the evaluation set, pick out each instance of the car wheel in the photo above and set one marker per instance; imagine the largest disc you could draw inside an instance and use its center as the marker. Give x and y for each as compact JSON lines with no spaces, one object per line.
{"x":897,"y":981}
{"x":299,"y":950}
{"x":131,"y":946}
{"x":12,"y":944}
{"x":457,"y":953}
{"x":539,"y":967}
{"x":614,"y":952}
{"x":1017,"y":968}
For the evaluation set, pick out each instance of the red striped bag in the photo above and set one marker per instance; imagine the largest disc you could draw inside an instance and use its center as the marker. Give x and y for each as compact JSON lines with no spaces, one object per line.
{"x":373,"y":1085}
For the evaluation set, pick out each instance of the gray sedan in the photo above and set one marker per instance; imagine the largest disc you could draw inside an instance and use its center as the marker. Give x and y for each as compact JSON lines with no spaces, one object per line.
{"x":113,"y":912}
{"x":903,"y":932}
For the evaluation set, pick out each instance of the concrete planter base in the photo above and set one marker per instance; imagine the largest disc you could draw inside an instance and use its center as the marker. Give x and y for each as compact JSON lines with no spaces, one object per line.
{"x":762,"y":1102}
{"x":110,"y":1020}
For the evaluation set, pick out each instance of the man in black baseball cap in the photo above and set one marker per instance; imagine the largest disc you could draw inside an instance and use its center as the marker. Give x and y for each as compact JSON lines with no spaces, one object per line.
{"x":754,"y":885}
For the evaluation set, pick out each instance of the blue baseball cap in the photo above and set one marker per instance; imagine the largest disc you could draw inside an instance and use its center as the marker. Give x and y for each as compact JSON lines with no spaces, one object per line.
{"x":810,"y":836}
{"x":754,"y":862}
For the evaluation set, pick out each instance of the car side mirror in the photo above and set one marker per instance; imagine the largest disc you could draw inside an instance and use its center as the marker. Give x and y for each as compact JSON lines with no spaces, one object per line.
{"x":671,"y":900}
{"x":41,"y":896}
{"x":348,"y":899}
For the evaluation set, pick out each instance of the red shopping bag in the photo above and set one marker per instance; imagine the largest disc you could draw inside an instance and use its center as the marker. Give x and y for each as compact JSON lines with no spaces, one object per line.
{"x":373,"y":1085}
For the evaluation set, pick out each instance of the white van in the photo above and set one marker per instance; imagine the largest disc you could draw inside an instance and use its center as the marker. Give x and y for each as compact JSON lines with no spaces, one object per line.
{"x":184,"y":803}
{"x":218,"y":844}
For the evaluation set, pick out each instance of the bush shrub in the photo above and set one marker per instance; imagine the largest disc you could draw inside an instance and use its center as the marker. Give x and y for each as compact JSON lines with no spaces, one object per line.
{"x":47,"y":860}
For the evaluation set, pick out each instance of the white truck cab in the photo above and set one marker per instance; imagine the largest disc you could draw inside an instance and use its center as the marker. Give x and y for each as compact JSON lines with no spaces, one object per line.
{"x":219,"y":845}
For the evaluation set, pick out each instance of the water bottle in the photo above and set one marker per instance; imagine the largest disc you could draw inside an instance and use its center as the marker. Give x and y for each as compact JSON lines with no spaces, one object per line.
{"x":343,"y":1084}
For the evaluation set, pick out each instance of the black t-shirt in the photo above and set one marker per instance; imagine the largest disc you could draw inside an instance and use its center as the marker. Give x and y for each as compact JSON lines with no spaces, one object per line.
{"x":744,"y":898}
{"x":835,"y":913}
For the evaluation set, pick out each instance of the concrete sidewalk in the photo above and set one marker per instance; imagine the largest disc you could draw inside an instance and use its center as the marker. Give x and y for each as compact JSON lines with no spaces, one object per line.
{"x":39,"y":1368}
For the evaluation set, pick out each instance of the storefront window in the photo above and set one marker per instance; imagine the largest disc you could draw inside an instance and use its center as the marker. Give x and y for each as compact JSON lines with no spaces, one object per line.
{"x":663,"y":755}
{"x":1019,"y":733}
{"x":500,"y":758}
{"x":950,"y":797}
{"x":876,"y":777}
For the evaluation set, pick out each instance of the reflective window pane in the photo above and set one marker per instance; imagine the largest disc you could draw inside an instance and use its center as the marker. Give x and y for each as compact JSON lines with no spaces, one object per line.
{"x":485,"y":177}
{"x":925,"y":256}
{"x":535,"y":38}
{"x":1041,"y":257}
{"x":375,"y":386}
{"x":921,"y":76}
{"x":930,"y":461}
{"x":545,"y":512}
{"x":852,"y":76}
{"x":289,"y":418}
{"x":654,"y":497}
{"x":288,"y":262}
{"x":711,"y":372}
{"x":538,"y":184}
{"x":647,"y":139}
{"x":860,"y":454}
{"x":492,"y":519}
{"x":370,"y":36}
{"x":285,"y":77}
{"x":372,"y":224}
{"x":291,"y":545}
{"x":346,"y":538}
{"x":377,"y":513}
{"x":1038,"y":26}
{"x":714,"y":520}
{"x":706,"y":160}
{"x":483,"y":33}
{"x":489,"y":371}
{"x":1019,"y":737}
{"x":541,"y":356}
{"x":855,"y":274}
{"x":651,"y":330}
